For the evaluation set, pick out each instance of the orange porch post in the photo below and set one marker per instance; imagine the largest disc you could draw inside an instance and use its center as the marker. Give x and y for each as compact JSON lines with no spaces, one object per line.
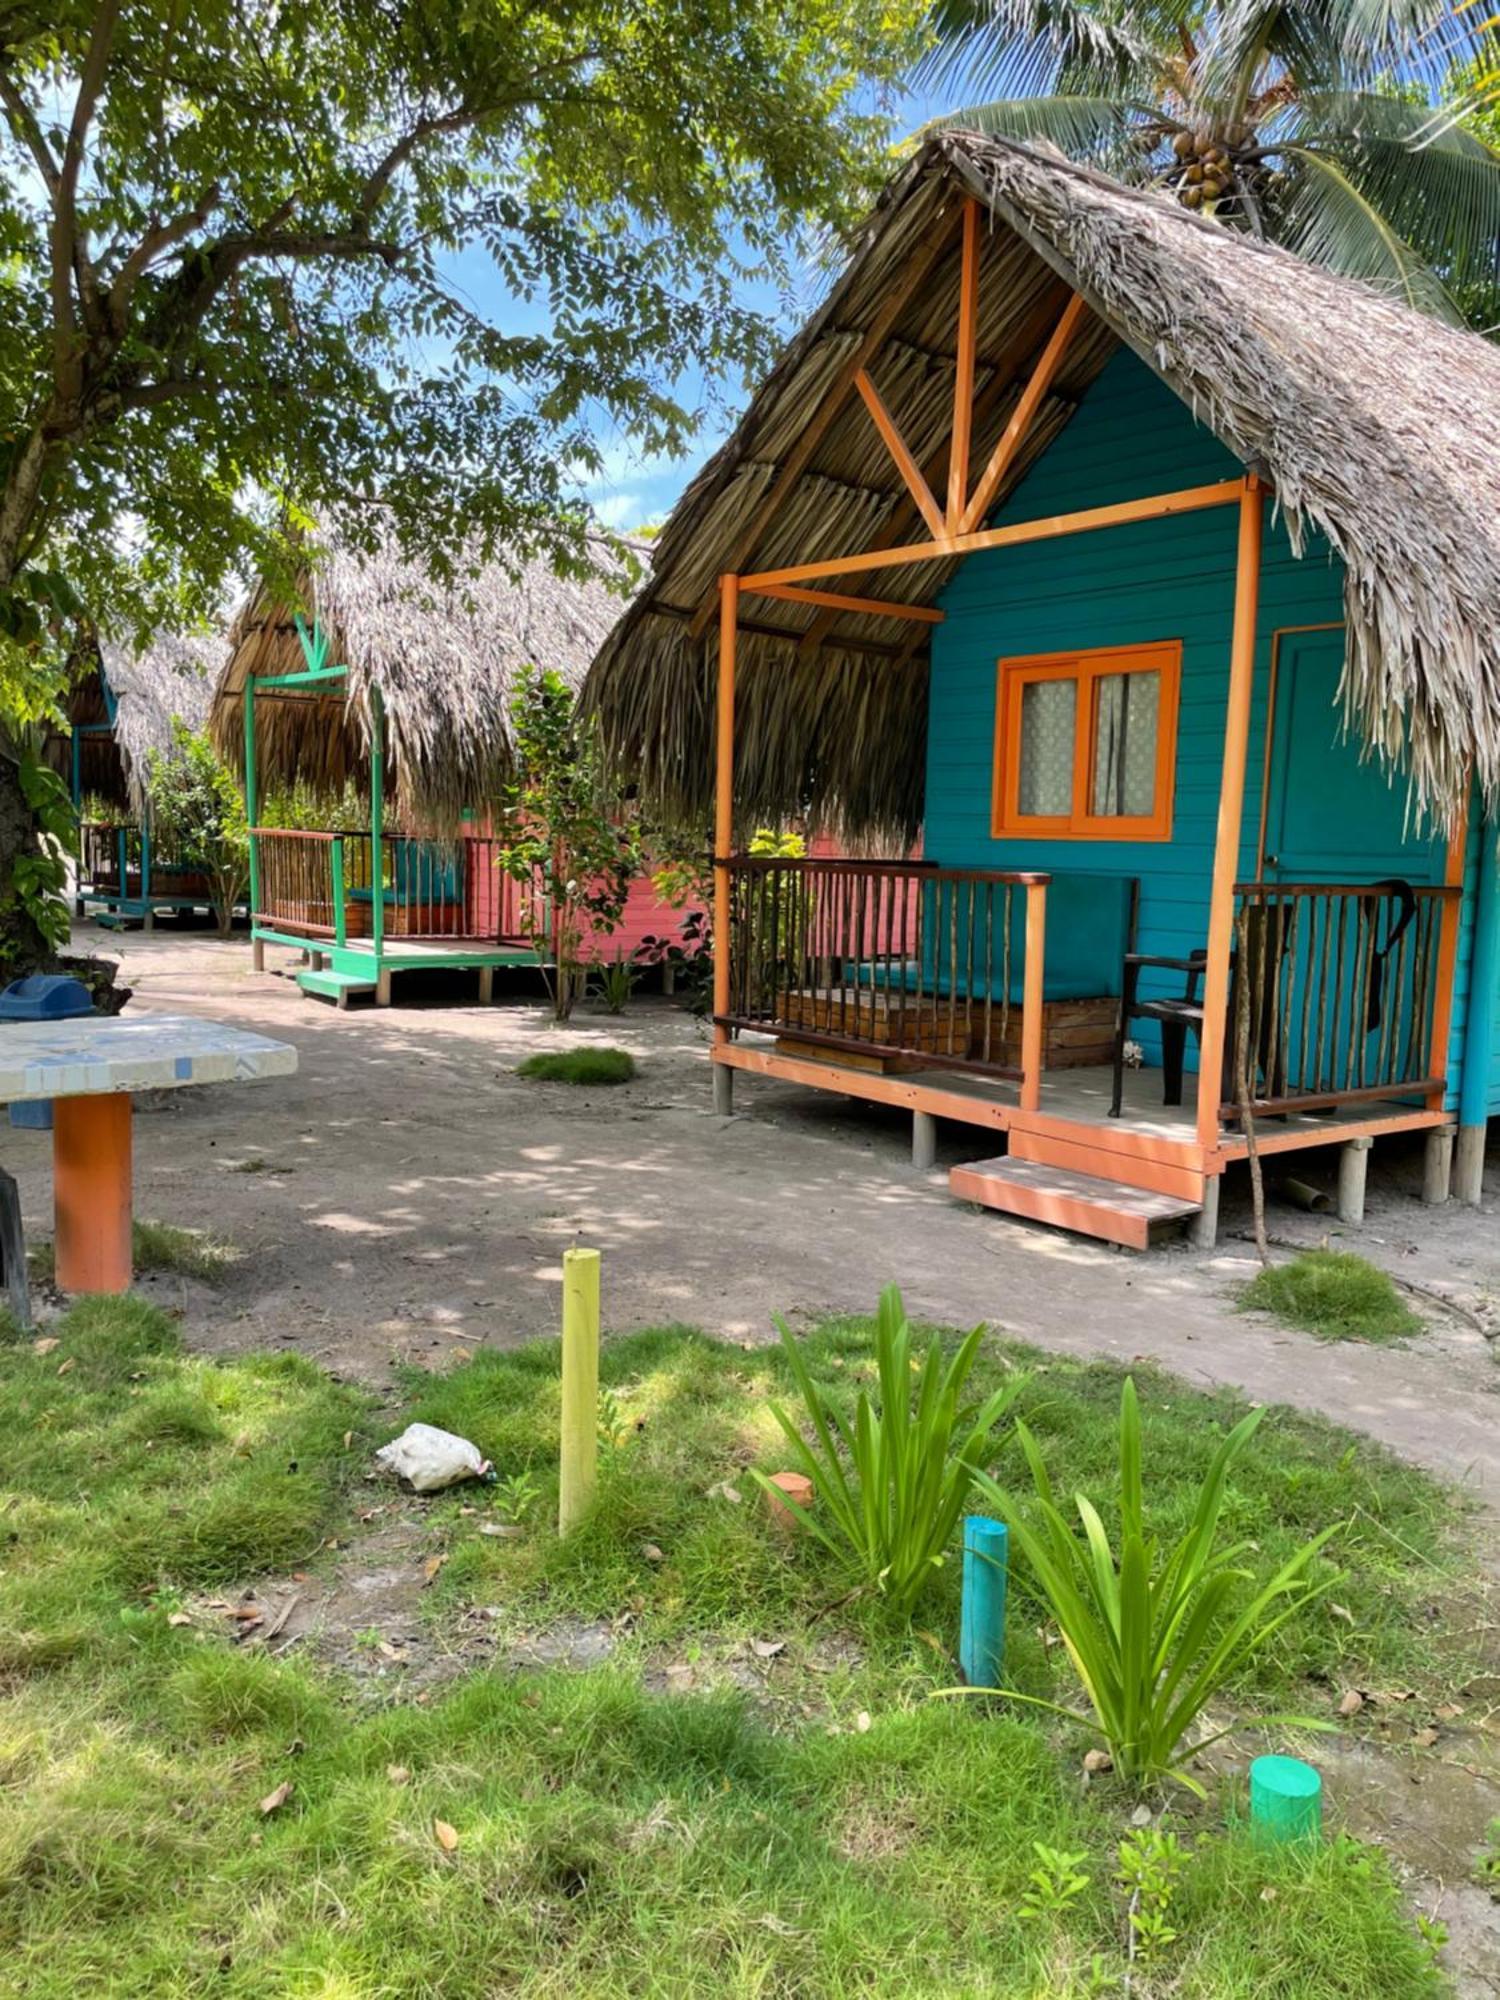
{"x":1231,"y":812}
{"x":91,"y":1192}
{"x":729,"y":604}
{"x":1032,"y":990}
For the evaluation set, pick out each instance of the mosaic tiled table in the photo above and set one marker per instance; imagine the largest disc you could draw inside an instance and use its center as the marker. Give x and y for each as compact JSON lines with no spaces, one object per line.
{"x":89,"y":1068}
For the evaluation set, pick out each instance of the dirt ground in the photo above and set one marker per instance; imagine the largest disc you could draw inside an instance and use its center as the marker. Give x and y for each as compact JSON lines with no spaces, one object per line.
{"x":406,"y":1196}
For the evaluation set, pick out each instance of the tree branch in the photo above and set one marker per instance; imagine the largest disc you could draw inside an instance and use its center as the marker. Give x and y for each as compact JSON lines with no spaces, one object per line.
{"x":160,"y":237}
{"x":69,"y":255}
{"x":28,"y":131}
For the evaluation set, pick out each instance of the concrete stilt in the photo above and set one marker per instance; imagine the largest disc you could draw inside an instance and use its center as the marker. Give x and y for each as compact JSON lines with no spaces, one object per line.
{"x":1437,"y":1165}
{"x":668,"y":978}
{"x":1206,"y":1221}
{"x":383,"y":988}
{"x":1354,"y":1161}
{"x":258,"y":954}
{"x":723,"y":1089}
{"x":315,"y":960}
{"x":1468,"y":1164}
{"x":923,"y":1141}
{"x":486,"y":985}
{"x":148,"y":921}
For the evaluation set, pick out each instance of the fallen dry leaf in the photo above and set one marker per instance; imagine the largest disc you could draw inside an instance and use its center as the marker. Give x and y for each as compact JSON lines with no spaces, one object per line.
{"x":1449,"y":1712}
{"x":46,"y":1344}
{"x":652,"y":1553}
{"x":390,"y":1652}
{"x":862,"y":1721}
{"x":241,"y":1445}
{"x":508,"y":1531}
{"x":348,"y":1439}
{"x":1341,"y":1611}
{"x":273,"y":1801}
{"x":246,"y":1611}
{"x":1097,"y":1760}
{"x":1352,"y":1702}
{"x":431,"y":1567}
{"x":767,"y":1649}
{"x":1425,"y":1738}
{"x":178,"y":1618}
{"x":724,"y":1491}
{"x":66,"y":1367}
{"x":398,"y":1774}
{"x":1141,"y":1816}
{"x":446,"y":1836}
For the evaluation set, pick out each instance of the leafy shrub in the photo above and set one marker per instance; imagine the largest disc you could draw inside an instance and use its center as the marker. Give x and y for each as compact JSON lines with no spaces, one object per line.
{"x":1152,"y":1638}
{"x":1335,"y":1295}
{"x":893,"y":1521}
{"x":579,"y":1066}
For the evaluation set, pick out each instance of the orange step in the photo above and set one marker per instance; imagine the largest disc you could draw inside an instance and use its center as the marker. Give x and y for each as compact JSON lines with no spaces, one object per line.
{"x":1090,"y":1206}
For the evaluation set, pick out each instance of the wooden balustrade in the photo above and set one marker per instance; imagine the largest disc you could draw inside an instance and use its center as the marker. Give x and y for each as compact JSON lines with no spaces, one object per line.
{"x":1335,"y":994}
{"x":323,"y":884}
{"x":896,"y":960}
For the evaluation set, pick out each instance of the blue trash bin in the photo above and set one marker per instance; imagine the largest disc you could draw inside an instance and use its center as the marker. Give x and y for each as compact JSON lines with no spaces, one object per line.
{"x":44,"y":996}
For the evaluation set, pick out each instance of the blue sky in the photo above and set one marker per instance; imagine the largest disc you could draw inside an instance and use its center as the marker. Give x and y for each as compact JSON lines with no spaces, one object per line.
{"x":634,"y":490}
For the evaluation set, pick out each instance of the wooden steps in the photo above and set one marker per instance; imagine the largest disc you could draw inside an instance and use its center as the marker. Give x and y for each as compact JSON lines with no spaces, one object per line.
{"x":335,"y":986}
{"x":1090,"y":1206}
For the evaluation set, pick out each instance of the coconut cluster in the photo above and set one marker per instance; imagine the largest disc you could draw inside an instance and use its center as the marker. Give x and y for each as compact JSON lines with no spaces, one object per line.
{"x":1205,"y":169}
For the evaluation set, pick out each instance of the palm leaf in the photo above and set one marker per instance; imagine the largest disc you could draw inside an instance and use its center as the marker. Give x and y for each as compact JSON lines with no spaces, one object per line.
{"x":1324,"y":216}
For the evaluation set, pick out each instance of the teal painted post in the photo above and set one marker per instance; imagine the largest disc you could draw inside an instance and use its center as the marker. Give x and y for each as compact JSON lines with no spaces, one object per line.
{"x":250,"y":802}
{"x":1286,"y":1799}
{"x":981,"y":1644}
{"x":377,"y":823}
{"x":1479,"y":1021}
{"x":145,"y":860}
{"x":338,"y":889}
{"x":122,"y":856}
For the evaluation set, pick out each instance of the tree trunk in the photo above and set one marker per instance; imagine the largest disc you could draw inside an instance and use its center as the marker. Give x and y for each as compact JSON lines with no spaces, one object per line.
{"x":23,"y":947}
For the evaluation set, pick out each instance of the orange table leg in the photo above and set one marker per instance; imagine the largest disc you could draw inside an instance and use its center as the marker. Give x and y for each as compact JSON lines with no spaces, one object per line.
{"x":91,"y":1192}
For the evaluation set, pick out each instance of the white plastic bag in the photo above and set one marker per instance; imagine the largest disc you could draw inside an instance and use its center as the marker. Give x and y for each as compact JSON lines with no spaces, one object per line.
{"x":429,"y":1459}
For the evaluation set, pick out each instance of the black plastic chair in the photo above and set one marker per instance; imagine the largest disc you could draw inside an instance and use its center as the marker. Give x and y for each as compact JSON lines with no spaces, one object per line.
{"x":1178,"y":1014}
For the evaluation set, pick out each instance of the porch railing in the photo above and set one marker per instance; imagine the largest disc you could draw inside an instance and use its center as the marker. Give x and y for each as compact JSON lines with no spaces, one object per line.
{"x":123,"y":859}
{"x":1337,"y":992}
{"x":896,"y":959}
{"x":324,"y":885}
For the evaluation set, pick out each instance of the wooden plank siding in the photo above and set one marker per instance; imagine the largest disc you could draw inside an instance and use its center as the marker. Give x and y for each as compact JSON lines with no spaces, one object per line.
{"x":1163,"y":579}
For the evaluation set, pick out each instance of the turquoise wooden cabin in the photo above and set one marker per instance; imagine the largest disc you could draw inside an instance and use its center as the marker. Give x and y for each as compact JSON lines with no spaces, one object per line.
{"x":1149,"y":575}
{"x":370,"y":719}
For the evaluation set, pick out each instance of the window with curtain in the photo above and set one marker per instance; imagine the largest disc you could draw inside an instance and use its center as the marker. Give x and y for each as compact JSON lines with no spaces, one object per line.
{"x":1086,"y":743}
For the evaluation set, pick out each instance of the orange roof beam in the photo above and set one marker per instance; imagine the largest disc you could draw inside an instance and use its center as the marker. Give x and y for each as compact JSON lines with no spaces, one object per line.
{"x":1012,"y":437}
{"x":833,"y":600}
{"x":900,"y":451}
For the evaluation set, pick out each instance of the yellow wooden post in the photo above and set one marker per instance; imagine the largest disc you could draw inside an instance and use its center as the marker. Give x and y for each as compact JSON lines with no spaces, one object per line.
{"x":580,"y":1387}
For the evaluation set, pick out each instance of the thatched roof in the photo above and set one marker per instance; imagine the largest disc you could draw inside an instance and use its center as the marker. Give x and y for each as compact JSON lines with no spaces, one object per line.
{"x":445,"y":659}
{"x":171,"y":677}
{"x":1374,"y":425}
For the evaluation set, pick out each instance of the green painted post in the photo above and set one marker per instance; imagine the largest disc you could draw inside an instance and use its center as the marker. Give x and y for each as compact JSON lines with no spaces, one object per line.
{"x":1286,"y":1799}
{"x":981,"y":1644}
{"x":338,"y":889}
{"x":250,"y":798}
{"x":377,"y":815}
{"x":145,"y":859}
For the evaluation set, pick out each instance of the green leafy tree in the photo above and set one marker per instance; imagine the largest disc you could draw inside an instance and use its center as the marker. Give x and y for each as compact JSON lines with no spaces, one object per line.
{"x":197,"y":813}
{"x":567,"y":837}
{"x":229,"y":244}
{"x":1329,"y":126}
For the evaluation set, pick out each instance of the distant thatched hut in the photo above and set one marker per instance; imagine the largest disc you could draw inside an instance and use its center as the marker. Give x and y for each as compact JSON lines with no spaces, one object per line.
{"x":1154,"y":573}
{"x":121,"y":711}
{"x":384,"y":680}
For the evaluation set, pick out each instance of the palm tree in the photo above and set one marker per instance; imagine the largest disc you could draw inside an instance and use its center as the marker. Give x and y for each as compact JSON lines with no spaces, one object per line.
{"x":1343,"y":129}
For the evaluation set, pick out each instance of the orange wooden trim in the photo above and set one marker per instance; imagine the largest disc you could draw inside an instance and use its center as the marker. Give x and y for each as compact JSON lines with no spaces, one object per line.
{"x":1447,"y":963}
{"x":1055,"y":1208}
{"x":992,"y":1113}
{"x":1032,"y":1003}
{"x":1231,"y":808}
{"x":937,"y":245}
{"x":963,"y":373}
{"x":1088,"y":667}
{"x":1114,"y":1139}
{"x":900,"y":451}
{"x":833,"y":600}
{"x":1281,"y":632}
{"x":1024,"y":414}
{"x":1273,"y":1137}
{"x":1083,"y":1156}
{"x":729,"y":604}
{"x":1186,"y":500}
{"x":91,"y":1192}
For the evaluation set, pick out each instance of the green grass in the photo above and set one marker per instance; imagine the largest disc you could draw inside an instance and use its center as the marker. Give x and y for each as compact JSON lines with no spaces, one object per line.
{"x":1335,"y":1295}
{"x":579,"y":1066}
{"x":159,"y":1247}
{"x":752,"y":1841}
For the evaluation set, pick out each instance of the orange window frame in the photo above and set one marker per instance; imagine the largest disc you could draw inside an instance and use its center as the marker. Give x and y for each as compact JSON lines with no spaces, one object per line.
{"x":1087,"y":668}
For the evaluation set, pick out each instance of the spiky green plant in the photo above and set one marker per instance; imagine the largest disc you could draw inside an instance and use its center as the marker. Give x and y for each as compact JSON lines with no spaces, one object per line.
{"x":891,"y":1485}
{"x":1153,"y":1636}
